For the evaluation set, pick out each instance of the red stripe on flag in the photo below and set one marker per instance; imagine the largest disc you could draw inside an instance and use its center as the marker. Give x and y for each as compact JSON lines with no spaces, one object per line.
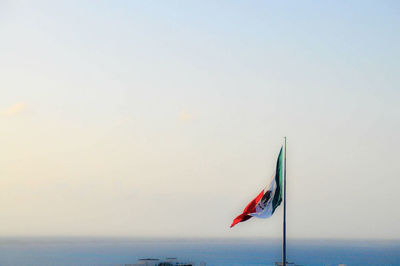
{"x":250,"y":208}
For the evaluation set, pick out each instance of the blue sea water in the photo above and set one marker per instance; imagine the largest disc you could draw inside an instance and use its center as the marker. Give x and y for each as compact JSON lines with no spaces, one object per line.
{"x":118,"y":251}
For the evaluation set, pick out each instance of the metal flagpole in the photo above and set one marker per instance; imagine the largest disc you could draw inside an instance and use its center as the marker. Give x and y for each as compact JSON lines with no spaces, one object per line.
{"x":284,"y":215}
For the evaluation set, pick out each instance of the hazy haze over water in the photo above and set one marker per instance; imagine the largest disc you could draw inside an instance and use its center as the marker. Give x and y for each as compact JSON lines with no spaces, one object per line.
{"x":215,"y":252}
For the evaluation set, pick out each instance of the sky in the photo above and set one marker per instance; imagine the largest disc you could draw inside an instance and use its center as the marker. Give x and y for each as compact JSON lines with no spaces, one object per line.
{"x":165,"y":118}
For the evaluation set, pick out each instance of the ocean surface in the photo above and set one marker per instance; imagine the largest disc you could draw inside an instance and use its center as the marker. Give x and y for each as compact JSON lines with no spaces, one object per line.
{"x":118,"y":251}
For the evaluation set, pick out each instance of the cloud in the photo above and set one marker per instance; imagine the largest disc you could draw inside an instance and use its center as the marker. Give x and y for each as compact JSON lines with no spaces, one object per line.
{"x":15,"y":109}
{"x":185,"y":116}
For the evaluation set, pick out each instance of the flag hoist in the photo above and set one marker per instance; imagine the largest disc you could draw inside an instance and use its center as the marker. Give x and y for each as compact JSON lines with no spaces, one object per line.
{"x":266,"y":202}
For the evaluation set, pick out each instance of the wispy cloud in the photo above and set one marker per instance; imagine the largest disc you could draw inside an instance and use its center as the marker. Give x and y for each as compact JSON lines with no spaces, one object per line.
{"x":185,"y":116}
{"x":15,"y":109}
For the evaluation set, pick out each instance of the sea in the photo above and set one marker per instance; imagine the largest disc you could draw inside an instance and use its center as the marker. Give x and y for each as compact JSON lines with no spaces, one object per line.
{"x":18,"y":251}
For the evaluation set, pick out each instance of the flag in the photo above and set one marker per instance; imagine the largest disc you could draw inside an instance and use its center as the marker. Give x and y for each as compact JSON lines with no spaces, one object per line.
{"x":265,"y":204}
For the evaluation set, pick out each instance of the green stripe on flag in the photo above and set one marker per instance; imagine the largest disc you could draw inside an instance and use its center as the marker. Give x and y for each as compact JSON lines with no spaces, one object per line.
{"x":278,"y":180}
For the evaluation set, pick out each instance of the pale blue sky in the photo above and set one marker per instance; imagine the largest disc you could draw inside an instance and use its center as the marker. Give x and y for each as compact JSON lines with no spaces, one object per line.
{"x":164,"y":118}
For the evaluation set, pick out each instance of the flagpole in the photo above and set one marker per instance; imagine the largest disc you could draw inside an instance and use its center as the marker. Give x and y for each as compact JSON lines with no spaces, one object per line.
{"x":284,"y":214}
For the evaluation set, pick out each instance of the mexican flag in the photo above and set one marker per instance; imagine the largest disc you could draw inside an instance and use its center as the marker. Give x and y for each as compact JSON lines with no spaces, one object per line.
{"x":265,"y":204}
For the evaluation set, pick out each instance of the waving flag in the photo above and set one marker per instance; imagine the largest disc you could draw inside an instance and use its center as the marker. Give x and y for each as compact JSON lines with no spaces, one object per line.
{"x":265,"y":204}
